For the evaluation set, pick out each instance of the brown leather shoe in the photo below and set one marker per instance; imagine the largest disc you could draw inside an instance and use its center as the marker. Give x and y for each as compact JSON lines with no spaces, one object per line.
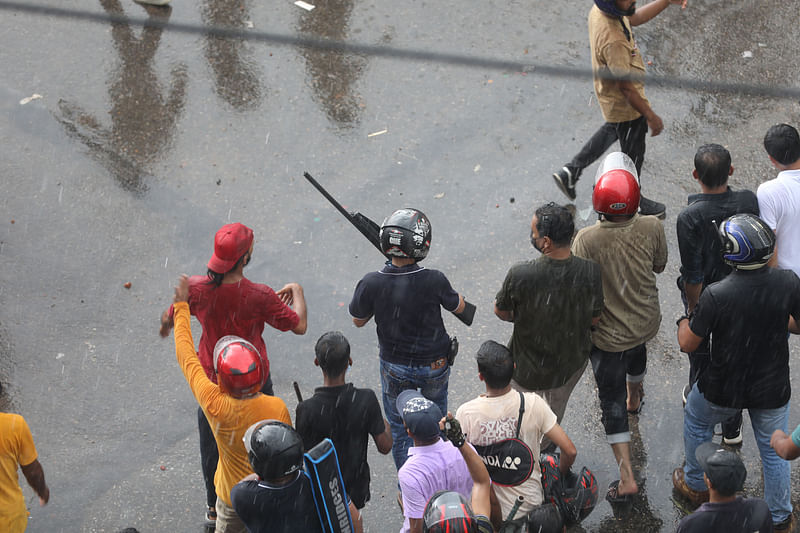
{"x":696,"y":497}
{"x":787,"y":526}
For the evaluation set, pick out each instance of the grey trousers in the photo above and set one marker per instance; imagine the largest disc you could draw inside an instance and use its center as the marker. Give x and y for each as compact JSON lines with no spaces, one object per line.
{"x":556,"y":398}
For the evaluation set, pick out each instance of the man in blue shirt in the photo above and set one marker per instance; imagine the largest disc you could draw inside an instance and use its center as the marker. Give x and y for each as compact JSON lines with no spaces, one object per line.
{"x":406,"y":301}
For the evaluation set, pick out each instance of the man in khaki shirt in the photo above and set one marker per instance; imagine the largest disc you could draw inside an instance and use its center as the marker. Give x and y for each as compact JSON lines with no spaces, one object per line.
{"x":630,"y":249}
{"x":625,"y":108}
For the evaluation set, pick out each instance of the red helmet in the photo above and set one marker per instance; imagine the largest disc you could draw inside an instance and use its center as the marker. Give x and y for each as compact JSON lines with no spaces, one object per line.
{"x":241,"y":371}
{"x":616,"y":186}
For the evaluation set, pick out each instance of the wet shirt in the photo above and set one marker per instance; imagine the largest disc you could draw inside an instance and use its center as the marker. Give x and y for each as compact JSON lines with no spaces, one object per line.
{"x":16,"y":448}
{"x":627,"y":252}
{"x":614,"y":51}
{"x":747,"y":316}
{"x":228,"y":417}
{"x":779,"y":201}
{"x":406,"y":303}
{"x":265,"y":508}
{"x":239,"y":309}
{"x":486,"y":420}
{"x":348,"y":416}
{"x":429,"y":469}
{"x":553,"y":301}
{"x":742,"y":515}
{"x":698,"y":233}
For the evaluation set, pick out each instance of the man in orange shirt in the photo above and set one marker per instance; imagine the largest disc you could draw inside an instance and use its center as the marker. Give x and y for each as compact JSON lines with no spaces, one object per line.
{"x":17,"y":449}
{"x":231,"y":406}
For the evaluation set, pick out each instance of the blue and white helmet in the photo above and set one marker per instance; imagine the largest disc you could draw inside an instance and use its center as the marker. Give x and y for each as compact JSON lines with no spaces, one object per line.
{"x":747,"y":242}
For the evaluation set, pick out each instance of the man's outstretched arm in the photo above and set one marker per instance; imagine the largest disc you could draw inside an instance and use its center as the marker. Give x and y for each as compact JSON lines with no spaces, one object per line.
{"x":649,"y":11}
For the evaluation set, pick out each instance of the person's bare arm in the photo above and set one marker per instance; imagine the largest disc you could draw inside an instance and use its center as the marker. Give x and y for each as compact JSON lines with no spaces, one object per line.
{"x":383,"y":441}
{"x":34,"y":473}
{"x":359,"y":322}
{"x":649,"y":11}
{"x":166,"y":324}
{"x":773,"y":261}
{"x":568,"y":450}
{"x":415,"y":525}
{"x":461,"y":305}
{"x":658,"y":269}
{"x":633,"y":97}
{"x":292,"y":295}
{"x":692,"y":291}
{"x":687,"y":340}
{"x":506,"y":316}
{"x":794,"y":327}
{"x":783,"y":445}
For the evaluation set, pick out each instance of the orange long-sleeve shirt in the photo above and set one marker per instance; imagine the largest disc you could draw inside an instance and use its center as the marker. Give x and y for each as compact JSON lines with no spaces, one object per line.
{"x":228,"y":417}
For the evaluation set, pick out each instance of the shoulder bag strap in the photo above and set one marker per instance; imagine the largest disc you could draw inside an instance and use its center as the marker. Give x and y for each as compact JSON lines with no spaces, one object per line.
{"x":521,"y":412}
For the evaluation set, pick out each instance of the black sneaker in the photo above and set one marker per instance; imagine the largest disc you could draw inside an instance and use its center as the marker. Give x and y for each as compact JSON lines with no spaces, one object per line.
{"x":649,"y":207}
{"x":733,"y":438}
{"x":566,"y":182}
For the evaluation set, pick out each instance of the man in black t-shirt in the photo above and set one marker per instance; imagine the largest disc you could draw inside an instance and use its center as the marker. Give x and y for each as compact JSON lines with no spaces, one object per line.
{"x":747,"y":315}
{"x":724,"y":474}
{"x":699,"y":244}
{"x":278,"y":498}
{"x":406,"y":301}
{"x":345,"y":414}
{"x":553,"y":302}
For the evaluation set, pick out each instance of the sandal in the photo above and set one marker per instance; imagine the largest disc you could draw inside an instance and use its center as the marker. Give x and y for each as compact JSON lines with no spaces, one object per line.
{"x":211,"y":517}
{"x":638,"y":409}
{"x":613,"y":496}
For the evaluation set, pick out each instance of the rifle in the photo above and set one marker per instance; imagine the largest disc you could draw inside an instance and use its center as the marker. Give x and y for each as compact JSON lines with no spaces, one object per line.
{"x":372,"y":232}
{"x":367,"y":227}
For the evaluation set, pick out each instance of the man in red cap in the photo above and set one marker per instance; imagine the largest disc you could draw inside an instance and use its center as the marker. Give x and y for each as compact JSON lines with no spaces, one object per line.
{"x":227,"y":303}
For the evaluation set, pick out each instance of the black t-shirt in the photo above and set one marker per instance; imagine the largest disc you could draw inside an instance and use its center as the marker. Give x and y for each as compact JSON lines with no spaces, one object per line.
{"x":747,"y":315}
{"x":698,"y":238}
{"x":406,"y":303}
{"x":348,"y":416}
{"x":743,"y":515}
{"x":268,"y":509}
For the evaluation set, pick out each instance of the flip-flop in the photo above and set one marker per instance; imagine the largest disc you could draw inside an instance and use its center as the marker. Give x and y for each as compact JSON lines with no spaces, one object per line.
{"x":613,"y":497}
{"x":641,"y":401}
{"x":638,"y":409}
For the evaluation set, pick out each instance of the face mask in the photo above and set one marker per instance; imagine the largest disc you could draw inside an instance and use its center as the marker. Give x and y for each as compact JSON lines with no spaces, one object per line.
{"x":533,"y":243}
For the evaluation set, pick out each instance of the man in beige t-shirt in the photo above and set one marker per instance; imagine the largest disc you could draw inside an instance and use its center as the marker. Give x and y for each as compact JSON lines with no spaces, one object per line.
{"x":630,"y":249}
{"x":625,"y":108}
{"x":494,"y":416}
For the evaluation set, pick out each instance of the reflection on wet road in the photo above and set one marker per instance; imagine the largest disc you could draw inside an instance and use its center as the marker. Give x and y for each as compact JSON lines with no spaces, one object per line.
{"x":142,"y":119}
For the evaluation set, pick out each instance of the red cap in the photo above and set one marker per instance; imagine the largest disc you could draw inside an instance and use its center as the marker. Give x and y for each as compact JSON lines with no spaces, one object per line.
{"x":230,"y":243}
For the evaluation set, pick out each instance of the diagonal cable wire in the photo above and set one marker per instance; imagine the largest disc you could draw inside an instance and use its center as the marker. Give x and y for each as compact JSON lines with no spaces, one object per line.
{"x":407,"y":54}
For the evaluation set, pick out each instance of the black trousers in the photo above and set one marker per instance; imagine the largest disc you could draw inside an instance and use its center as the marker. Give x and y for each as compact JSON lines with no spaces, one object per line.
{"x":610,"y":372}
{"x":631,"y":136}
{"x":209,"y":454}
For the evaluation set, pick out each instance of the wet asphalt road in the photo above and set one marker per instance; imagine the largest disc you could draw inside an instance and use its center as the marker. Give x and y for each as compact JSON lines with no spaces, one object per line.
{"x":146,"y":141}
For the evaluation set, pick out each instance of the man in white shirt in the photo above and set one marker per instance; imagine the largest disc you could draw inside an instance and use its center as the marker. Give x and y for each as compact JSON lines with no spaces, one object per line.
{"x":494,"y":416}
{"x":779,"y":199}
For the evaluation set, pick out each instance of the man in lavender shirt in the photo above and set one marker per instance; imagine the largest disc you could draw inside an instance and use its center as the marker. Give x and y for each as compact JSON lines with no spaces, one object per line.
{"x":433,"y":464}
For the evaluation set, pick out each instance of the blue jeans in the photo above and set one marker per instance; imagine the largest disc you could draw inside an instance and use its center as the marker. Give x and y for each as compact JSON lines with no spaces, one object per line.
{"x":397,"y":378}
{"x":699,"y":419}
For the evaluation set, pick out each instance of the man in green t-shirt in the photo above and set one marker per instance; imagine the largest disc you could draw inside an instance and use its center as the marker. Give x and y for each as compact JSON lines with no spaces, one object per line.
{"x":553,"y":302}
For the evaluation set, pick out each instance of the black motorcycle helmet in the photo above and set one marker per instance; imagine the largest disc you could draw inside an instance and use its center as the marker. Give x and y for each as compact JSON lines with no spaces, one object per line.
{"x":274,"y":449}
{"x":448,"y":512}
{"x":406,"y":233}
{"x":747,"y":242}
